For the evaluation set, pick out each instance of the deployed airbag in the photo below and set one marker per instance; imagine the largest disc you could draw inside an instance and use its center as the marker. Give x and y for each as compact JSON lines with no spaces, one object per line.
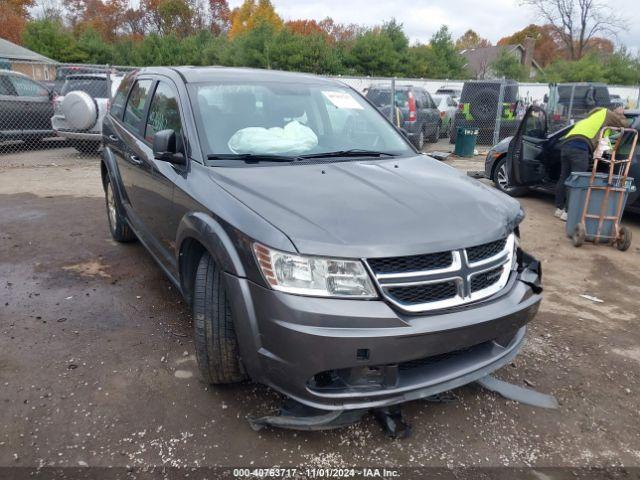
{"x":293,"y":139}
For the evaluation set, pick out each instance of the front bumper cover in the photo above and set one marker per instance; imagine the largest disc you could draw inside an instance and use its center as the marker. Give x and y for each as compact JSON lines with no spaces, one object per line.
{"x":335,"y":354}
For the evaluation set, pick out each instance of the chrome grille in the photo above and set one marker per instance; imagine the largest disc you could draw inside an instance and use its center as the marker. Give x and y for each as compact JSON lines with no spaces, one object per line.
{"x":420,"y":283}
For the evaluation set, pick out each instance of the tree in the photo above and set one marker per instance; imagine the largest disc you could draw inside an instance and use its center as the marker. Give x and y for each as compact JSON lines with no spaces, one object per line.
{"x":469,"y":40}
{"x":105,"y":16}
{"x":445,"y":61}
{"x":220,"y":16}
{"x":508,"y":65}
{"x":546,"y":48}
{"x":304,"y":53}
{"x":589,"y":68}
{"x":51,"y":39}
{"x":374,"y":53}
{"x":576,"y":22}
{"x":251,"y":14}
{"x":13,"y":17}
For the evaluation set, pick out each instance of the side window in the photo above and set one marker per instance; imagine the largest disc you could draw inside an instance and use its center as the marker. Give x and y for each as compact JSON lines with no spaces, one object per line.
{"x":429,"y":103}
{"x":134,"y":110}
{"x":117,"y":105}
{"x":5,"y":87}
{"x":28,"y":88}
{"x":164,"y":113}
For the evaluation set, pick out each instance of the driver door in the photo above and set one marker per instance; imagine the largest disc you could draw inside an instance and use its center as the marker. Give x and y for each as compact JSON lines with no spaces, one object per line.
{"x":525,"y":158}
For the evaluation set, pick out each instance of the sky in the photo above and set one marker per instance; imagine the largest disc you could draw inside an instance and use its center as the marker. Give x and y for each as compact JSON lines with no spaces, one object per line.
{"x":492,"y":19}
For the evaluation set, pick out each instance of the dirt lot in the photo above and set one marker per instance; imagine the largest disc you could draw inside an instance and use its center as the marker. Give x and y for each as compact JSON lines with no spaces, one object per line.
{"x":97,"y":365}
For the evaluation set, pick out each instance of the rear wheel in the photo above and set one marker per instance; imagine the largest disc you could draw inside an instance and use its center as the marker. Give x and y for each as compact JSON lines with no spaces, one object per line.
{"x":436,"y":134}
{"x":88,"y":147}
{"x":118,"y":226}
{"x":217,"y":348}
{"x":501,"y":180}
{"x":418,"y":141}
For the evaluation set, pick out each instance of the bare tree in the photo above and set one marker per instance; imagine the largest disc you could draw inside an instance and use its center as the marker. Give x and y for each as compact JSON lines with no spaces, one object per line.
{"x":578,"y":21}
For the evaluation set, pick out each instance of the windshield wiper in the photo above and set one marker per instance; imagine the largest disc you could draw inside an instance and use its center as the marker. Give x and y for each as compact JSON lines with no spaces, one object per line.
{"x":250,"y":157}
{"x":354,"y":152}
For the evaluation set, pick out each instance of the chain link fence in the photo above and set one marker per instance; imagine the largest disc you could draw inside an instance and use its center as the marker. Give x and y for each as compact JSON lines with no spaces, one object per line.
{"x":57,"y":109}
{"x":60,"y":114}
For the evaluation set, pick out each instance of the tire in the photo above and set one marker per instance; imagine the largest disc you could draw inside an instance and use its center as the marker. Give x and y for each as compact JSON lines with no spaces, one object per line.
{"x":436,"y":134}
{"x":418,"y":141}
{"x":87,"y":147}
{"x":118,"y":226}
{"x":500,"y":179}
{"x":624,"y":240}
{"x":579,"y":235}
{"x":217,"y":348}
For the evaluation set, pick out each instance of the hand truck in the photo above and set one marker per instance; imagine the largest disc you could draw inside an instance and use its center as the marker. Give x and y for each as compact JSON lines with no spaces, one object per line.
{"x":616,"y":184}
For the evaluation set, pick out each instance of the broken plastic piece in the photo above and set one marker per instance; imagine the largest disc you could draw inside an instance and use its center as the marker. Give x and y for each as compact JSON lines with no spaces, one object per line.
{"x":518,"y":394}
{"x":392,"y":421}
{"x":296,"y":416}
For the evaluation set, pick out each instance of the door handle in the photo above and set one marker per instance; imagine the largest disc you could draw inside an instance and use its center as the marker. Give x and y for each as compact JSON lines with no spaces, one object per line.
{"x":135,"y":159}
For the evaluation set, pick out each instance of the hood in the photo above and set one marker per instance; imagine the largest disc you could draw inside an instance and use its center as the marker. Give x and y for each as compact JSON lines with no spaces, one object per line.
{"x":373,"y":208}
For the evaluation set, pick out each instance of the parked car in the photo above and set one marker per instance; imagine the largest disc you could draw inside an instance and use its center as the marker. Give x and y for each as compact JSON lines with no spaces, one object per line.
{"x":568,"y":102}
{"x":617,"y":101}
{"x":447,"y":107}
{"x":335,"y":264}
{"x":64,"y":71}
{"x":479,"y":106}
{"x":536,"y":164}
{"x":80,"y":108}
{"x":25,"y":108}
{"x":453,"y":92}
{"x":420,"y":118}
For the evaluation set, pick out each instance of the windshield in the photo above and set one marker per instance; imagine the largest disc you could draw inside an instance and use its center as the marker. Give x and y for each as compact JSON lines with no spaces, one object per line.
{"x":380,"y":98}
{"x":96,"y":87}
{"x":289,"y":119}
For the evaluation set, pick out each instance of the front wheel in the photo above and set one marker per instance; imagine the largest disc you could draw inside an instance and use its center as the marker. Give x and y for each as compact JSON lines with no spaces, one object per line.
{"x":501,"y":180}
{"x":216,"y":343}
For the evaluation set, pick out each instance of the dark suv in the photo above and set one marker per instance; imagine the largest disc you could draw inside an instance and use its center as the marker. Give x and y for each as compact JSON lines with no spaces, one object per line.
{"x":480,"y":105}
{"x":420,"y":117}
{"x":320,"y":253}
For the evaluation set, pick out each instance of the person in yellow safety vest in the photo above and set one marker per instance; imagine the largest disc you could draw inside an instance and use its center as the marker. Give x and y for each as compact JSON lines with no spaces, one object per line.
{"x":577,"y":146}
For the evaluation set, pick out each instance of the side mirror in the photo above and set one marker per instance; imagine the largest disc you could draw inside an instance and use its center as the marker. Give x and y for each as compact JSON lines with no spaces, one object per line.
{"x":165,"y":147}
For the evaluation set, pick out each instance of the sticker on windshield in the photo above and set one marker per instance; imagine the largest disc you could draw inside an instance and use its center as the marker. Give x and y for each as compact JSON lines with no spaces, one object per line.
{"x":342,"y":100}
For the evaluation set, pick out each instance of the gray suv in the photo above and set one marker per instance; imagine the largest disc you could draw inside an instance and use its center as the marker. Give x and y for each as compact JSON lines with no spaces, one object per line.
{"x":419,"y":117}
{"x":320,"y":253}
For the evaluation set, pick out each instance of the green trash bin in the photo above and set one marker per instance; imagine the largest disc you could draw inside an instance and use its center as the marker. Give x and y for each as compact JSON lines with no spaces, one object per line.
{"x":465,"y":141}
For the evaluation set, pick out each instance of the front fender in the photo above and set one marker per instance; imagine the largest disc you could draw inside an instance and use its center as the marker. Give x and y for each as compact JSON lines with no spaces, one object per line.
{"x":210,"y":234}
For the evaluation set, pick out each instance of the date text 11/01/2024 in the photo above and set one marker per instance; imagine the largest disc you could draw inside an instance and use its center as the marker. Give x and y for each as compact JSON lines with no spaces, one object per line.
{"x":315,"y":473}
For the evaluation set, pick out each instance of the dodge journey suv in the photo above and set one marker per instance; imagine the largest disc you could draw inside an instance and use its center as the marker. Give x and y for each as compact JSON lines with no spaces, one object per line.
{"x":321,"y":254}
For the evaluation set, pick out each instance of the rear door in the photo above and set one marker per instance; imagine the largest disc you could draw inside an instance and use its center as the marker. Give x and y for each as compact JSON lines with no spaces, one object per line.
{"x":35,"y":101}
{"x":525,"y":157}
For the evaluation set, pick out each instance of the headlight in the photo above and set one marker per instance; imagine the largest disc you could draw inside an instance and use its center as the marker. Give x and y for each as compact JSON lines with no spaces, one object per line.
{"x":314,"y":276}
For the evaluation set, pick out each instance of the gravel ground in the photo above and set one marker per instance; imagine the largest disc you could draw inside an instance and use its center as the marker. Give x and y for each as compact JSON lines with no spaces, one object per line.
{"x":97,"y":364}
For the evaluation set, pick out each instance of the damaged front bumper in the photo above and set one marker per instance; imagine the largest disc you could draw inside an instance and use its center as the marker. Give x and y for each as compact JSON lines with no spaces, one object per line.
{"x":335,"y":354}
